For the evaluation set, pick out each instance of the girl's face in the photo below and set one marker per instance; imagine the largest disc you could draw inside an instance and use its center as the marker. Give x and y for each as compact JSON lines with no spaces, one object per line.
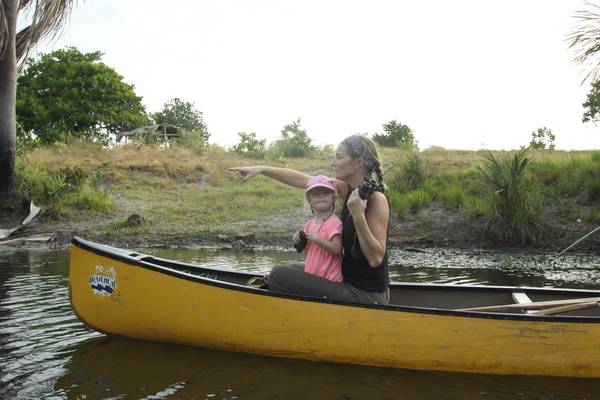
{"x":344,"y":165}
{"x":321,"y":199}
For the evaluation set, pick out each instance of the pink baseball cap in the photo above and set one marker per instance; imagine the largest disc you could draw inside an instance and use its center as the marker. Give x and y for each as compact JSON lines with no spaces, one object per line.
{"x":320,"y":181}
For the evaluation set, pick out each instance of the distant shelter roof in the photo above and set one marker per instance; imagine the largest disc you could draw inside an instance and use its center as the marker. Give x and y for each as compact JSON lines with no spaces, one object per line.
{"x":164,"y":130}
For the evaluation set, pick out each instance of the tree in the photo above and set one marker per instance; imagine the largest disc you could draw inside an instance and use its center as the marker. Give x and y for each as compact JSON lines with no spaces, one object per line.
{"x":182,"y":114}
{"x":47,"y":18}
{"x":69,"y":93}
{"x":294,"y":141}
{"x":396,"y":135}
{"x":542,"y":139}
{"x":250,"y":146}
{"x":592,"y":104}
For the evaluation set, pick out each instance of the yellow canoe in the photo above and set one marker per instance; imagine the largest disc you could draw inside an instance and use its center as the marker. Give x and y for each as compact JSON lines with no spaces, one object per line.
{"x":481,"y":329}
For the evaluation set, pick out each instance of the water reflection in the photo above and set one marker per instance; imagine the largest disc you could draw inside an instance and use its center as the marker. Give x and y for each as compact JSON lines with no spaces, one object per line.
{"x":45,"y":352}
{"x":119,"y":368}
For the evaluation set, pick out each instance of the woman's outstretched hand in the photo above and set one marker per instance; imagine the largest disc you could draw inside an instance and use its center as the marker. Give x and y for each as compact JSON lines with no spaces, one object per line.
{"x":245,"y":173}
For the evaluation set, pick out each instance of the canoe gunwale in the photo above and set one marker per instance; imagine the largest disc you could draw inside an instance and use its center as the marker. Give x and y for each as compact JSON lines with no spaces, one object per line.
{"x":123,"y":256}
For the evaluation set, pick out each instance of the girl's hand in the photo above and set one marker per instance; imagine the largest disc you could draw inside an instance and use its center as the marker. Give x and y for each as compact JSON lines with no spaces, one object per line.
{"x":245,"y":173}
{"x":312,"y":235}
{"x":356,"y":205}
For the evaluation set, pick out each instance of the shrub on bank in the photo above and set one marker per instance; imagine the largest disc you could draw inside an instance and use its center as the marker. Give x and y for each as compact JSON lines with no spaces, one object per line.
{"x":55,"y":189}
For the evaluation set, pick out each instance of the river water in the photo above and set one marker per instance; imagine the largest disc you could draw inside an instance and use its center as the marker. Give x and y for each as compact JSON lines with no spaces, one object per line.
{"x":46,"y":353}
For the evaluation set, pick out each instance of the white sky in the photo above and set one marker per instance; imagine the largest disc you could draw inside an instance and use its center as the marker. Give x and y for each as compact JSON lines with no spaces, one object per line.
{"x":463,"y":74}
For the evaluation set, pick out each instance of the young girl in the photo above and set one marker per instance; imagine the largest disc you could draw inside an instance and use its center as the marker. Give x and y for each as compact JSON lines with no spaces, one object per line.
{"x":323,"y":231}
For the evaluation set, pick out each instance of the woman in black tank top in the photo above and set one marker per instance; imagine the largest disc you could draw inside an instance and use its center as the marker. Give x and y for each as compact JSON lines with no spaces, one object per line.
{"x":365,"y":218}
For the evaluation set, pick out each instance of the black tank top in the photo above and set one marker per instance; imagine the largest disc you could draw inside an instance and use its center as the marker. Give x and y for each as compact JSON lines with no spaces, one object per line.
{"x":355,"y":267}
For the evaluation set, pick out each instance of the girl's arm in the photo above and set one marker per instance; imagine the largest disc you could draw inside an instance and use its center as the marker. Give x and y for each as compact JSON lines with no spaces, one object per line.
{"x":286,"y":175}
{"x":333,"y":246}
{"x":371,"y":225}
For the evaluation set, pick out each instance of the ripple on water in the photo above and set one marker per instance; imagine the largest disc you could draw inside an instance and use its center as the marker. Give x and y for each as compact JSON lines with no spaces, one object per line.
{"x":36,"y":323}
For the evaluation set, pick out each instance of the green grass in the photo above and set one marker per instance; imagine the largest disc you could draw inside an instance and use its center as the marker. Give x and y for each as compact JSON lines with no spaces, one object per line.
{"x":185,"y":208}
{"x":181,"y":190}
{"x":594,"y":215}
{"x":418,"y":199}
{"x":398,"y":202}
{"x":452,"y":197}
{"x":89,"y":198}
{"x":61,"y":190}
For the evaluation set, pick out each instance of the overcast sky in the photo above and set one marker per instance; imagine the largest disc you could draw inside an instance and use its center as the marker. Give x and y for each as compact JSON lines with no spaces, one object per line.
{"x":462,"y":74}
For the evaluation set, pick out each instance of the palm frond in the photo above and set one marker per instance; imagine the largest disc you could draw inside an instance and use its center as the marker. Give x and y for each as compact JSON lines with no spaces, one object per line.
{"x":4,"y":32}
{"x":47,"y":19}
{"x":585,"y":41}
{"x":22,"y":44}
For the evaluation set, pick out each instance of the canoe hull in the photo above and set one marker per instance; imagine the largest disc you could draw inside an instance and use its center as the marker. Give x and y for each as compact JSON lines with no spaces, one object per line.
{"x":121,"y":298}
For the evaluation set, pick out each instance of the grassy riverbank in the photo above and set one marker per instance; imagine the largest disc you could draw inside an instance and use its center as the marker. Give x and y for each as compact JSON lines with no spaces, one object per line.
{"x":438,"y":197}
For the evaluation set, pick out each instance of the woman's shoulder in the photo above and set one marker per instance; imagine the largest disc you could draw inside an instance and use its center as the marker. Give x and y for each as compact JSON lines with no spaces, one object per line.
{"x":379,"y":200}
{"x":379,"y":196}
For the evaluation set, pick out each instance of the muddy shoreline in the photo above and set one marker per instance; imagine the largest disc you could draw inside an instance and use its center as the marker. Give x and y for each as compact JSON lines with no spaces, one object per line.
{"x":435,"y":230}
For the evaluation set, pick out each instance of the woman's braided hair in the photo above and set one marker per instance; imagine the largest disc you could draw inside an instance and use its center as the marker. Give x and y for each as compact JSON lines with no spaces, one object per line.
{"x":361,"y":146}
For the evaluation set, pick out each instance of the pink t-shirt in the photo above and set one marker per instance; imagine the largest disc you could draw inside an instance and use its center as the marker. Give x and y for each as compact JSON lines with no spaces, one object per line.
{"x":319,"y":261}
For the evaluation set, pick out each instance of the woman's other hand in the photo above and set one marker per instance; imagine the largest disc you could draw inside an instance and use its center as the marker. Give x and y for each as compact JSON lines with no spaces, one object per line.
{"x":245,"y":173}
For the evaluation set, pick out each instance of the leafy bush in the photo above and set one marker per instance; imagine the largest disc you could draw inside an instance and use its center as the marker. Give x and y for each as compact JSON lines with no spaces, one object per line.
{"x":294,"y":141}
{"x":413,"y":172}
{"x":411,"y":175}
{"x":250,"y":146}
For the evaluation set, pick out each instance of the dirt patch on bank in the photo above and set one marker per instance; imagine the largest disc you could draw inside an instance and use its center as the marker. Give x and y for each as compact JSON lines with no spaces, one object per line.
{"x":431,"y":227}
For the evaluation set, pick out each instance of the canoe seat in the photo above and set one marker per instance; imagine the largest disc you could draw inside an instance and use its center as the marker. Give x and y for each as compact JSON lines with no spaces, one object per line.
{"x":259,"y":282}
{"x":521,"y":298}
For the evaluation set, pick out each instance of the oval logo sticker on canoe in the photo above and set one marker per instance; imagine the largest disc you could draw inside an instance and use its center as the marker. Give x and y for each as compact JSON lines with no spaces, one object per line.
{"x":104,"y":282}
